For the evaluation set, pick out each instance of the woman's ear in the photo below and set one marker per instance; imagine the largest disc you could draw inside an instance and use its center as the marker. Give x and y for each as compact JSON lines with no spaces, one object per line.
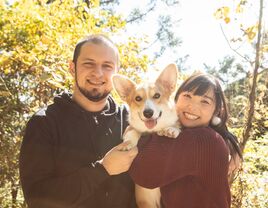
{"x":72,"y":68}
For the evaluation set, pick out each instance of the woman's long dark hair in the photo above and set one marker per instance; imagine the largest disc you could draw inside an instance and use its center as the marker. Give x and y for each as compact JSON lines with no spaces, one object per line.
{"x":199,"y":84}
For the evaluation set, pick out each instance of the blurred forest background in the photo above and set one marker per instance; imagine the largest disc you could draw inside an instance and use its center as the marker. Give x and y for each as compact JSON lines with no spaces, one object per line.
{"x":37,"y":38}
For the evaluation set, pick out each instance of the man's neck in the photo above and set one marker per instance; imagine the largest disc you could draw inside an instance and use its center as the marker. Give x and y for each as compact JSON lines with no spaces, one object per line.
{"x":87,"y":104}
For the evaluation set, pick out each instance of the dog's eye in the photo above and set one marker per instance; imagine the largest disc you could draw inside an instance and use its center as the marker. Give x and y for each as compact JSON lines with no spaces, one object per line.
{"x":156,"y":96}
{"x":138,"y":98}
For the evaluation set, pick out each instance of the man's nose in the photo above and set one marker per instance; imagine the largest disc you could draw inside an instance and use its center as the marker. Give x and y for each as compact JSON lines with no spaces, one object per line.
{"x":98,"y":72}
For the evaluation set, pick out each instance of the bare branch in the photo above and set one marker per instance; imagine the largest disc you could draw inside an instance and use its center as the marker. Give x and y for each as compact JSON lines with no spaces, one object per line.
{"x":140,"y":16}
{"x":234,"y":50}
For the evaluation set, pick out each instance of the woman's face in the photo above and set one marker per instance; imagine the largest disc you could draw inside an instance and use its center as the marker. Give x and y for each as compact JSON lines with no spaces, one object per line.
{"x":194,"y":110}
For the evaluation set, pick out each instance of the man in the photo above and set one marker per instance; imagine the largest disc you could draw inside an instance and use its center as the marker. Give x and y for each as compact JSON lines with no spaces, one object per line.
{"x":71,"y":152}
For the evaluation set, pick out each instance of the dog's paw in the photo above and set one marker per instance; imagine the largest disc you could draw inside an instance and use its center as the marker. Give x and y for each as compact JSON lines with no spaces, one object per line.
{"x":132,"y":136}
{"x":171,"y":132}
{"x":127,"y":147}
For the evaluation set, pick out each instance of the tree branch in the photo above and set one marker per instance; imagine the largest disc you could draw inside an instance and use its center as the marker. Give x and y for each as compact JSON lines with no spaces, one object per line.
{"x":140,"y":16}
{"x":234,"y":50}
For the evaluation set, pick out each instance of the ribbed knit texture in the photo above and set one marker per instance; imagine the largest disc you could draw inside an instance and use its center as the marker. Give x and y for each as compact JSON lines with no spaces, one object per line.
{"x":191,"y":169}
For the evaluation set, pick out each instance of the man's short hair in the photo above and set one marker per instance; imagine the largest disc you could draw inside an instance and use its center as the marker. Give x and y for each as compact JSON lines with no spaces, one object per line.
{"x":95,"y":39}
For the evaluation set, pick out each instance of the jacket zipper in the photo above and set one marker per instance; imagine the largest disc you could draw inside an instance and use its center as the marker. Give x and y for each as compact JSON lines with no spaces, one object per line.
{"x":90,"y":136}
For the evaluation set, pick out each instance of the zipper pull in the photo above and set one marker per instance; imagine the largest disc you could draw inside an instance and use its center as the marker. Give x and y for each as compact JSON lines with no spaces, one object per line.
{"x":96,"y":120}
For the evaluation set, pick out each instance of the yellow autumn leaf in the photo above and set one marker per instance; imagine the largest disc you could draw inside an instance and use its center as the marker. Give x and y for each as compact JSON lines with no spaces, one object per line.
{"x":239,"y":9}
{"x":95,"y":3}
{"x":265,"y":48}
{"x":266,"y":124}
{"x":7,"y":71}
{"x":251,"y":32}
{"x":227,"y":20}
{"x":56,"y":84}
{"x":222,"y":13}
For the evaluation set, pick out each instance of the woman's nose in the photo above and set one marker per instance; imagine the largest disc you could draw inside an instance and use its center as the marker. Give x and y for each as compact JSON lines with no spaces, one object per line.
{"x":192,"y":106}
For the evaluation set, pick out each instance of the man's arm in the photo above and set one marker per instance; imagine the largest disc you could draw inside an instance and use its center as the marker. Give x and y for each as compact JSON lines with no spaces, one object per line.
{"x":43,"y":187}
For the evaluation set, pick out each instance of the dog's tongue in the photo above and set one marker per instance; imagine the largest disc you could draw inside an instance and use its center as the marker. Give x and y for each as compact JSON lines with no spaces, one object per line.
{"x":150,"y":123}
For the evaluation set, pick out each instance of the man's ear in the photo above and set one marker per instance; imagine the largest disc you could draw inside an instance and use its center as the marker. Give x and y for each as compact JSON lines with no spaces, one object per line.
{"x":72,"y":68}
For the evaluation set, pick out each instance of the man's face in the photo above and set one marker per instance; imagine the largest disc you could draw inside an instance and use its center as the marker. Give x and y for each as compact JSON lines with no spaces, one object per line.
{"x":95,"y":66}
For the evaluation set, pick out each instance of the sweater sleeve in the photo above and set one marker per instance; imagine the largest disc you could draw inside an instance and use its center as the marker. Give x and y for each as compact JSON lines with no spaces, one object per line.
{"x":42,"y":185}
{"x":196,"y":152}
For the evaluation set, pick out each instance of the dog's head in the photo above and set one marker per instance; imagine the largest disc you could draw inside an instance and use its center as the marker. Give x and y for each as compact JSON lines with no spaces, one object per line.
{"x":150,"y":104}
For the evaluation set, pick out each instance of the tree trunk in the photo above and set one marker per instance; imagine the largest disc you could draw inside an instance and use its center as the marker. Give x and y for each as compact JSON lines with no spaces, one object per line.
{"x":252,"y":95}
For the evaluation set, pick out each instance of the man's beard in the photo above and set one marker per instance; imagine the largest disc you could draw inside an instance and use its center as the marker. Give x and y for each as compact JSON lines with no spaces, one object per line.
{"x":92,"y":95}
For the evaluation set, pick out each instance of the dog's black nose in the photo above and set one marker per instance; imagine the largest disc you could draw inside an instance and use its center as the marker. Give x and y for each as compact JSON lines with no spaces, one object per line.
{"x":148,"y":113}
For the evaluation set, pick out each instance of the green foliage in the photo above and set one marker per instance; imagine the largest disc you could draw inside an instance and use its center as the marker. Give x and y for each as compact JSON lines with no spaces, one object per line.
{"x":250,"y":189}
{"x":237,"y":94}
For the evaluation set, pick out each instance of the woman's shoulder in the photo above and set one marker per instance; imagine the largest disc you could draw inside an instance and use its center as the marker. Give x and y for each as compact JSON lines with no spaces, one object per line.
{"x":202,"y":135}
{"x":200,"y":132}
{"x":196,"y":130}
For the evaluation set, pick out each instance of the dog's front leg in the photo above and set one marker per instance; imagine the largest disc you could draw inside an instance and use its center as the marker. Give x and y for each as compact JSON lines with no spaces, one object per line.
{"x":171,"y":131}
{"x":131,"y":135}
{"x":147,"y":198}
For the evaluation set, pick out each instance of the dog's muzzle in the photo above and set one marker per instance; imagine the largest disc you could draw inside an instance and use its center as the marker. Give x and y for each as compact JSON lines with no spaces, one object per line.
{"x":150,"y":122}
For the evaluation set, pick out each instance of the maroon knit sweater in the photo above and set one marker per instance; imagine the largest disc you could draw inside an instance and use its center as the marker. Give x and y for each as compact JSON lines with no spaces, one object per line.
{"x":191,"y":169}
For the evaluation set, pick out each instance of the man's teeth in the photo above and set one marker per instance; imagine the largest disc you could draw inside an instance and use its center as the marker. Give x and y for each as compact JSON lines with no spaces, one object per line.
{"x":191,"y":116}
{"x":95,"y":83}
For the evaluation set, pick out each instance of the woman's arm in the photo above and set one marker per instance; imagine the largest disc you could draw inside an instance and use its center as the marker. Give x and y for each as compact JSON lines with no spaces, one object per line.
{"x":196,"y":152}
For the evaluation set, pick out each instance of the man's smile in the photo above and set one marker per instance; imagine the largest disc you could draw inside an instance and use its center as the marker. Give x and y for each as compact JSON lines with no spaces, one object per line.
{"x":95,"y":83}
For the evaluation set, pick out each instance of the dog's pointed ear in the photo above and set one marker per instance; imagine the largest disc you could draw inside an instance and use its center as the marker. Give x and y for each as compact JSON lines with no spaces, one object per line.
{"x":123,"y":86}
{"x":168,"y":77}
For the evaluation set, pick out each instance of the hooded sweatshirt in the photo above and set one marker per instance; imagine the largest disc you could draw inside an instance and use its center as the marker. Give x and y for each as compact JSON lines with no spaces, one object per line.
{"x":59,"y":154}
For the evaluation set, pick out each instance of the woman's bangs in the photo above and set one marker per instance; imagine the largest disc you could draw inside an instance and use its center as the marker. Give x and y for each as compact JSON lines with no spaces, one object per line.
{"x":198,"y":86}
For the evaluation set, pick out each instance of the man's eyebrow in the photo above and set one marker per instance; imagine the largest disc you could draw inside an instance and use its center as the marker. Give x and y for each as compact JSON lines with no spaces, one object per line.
{"x":92,"y":60}
{"x":88,"y":59}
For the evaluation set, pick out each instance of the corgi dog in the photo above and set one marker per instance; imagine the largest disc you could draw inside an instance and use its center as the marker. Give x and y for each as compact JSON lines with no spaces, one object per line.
{"x":151,"y":107}
{"x":151,"y":110}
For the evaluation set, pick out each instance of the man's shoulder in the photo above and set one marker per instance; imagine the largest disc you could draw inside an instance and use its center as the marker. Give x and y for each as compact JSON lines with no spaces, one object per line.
{"x":46,"y":110}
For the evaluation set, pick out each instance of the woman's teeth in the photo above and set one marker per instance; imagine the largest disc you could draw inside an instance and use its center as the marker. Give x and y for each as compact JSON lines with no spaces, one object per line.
{"x":190,"y":116}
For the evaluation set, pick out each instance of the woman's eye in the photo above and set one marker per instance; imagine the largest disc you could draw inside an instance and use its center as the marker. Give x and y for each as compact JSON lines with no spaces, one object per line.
{"x":205,"y":102}
{"x":156,"y":96}
{"x":138,"y":98}
{"x":187,"y":95}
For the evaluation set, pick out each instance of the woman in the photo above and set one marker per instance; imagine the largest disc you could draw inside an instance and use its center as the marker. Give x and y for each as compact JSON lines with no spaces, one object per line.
{"x":192,"y":170}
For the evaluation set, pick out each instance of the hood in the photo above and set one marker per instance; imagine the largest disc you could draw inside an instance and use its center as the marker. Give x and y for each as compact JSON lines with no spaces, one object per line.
{"x":65,"y":101}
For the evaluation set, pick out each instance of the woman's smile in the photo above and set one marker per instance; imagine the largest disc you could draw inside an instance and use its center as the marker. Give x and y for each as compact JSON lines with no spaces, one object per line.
{"x":190,"y":116}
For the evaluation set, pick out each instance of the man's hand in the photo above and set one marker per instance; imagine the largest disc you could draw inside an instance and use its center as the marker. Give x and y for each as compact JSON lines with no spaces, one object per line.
{"x":117,"y":161}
